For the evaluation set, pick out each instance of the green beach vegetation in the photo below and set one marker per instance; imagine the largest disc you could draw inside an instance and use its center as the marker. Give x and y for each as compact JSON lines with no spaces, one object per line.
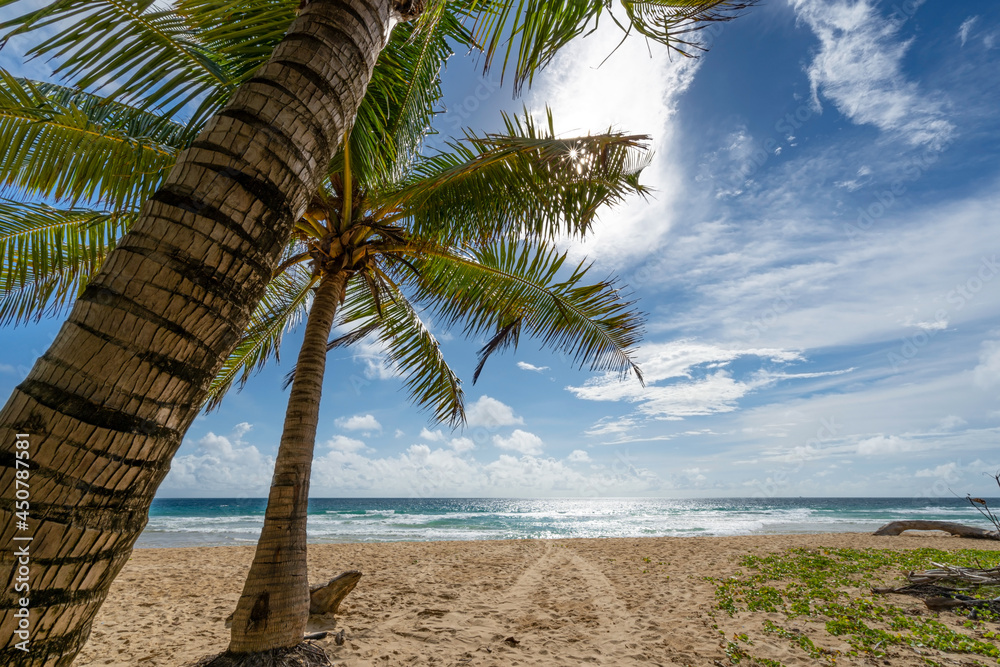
{"x":830,"y":592}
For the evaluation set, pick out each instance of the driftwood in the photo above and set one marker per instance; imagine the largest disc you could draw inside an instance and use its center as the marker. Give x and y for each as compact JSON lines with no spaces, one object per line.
{"x":940,"y":598}
{"x":326,"y":599}
{"x":957,"y":529}
{"x":969,"y":575}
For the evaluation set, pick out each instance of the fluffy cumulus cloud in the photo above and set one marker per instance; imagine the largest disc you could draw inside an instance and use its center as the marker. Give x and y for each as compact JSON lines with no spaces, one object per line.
{"x":342,"y":443}
{"x":423,"y":471}
{"x":433,"y":436}
{"x":520,"y":441}
{"x":221,"y":465}
{"x":859,"y":67}
{"x":945,"y":471}
{"x":488,"y":412}
{"x":365,"y":423}
{"x":881,"y":445}
{"x":578,"y":456}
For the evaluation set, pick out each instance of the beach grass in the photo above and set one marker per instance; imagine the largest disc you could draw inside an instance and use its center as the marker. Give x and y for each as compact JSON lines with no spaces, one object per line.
{"x":789,"y":593}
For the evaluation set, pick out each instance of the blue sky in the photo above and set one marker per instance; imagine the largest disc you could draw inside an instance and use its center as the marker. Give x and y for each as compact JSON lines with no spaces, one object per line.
{"x":820,"y":263}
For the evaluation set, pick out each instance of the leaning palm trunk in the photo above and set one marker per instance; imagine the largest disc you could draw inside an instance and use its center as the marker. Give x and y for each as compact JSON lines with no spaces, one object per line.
{"x":273,"y":611}
{"x":108,"y":404}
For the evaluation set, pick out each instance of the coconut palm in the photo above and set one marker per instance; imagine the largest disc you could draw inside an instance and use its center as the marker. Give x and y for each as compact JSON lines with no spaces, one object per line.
{"x":388,"y":251}
{"x":108,"y":404}
{"x":444,"y":246}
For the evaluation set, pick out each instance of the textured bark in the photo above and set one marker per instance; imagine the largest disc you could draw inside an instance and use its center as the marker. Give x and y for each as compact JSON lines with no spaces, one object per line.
{"x":958,"y":529}
{"x":273,"y":610}
{"x":107,"y":405}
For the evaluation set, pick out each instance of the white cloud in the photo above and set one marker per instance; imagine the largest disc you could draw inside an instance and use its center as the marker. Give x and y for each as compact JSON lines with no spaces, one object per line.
{"x":701,"y":383}
{"x":461,"y":444}
{"x":525,"y":366}
{"x":342,"y":443}
{"x":859,"y":68}
{"x":425,"y":472}
{"x":578,"y":456}
{"x":491,"y":413}
{"x":695,"y":474}
{"x":433,"y":436}
{"x":945,"y":471}
{"x":224,"y":465}
{"x":987,"y":373}
{"x":881,"y":445}
{"x":366,"y":423}
{"x":951,"y":422}
{"x":586,"y":95}
{"x":520,"y":441}
{"x":963,"y":30}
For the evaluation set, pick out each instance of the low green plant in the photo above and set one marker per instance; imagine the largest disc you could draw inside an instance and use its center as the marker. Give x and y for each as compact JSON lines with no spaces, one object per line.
{"x":834,"y":587}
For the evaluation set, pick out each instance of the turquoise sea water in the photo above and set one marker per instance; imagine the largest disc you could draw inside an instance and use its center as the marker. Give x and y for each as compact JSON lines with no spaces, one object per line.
{"x":220,"y":521}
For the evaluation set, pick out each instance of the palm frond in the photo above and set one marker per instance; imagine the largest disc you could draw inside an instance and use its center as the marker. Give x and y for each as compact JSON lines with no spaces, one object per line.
{"x":395,"y":114}
{"x":49,"y":296}
{"x":145,"y":51}
{"x":507,"y":286}
{"x":241,"y":36}
{"x":525,"y":181}
{"x":411,"y":348}
{"x":48,"y":255}
{"x":285,"y":303}
{"x":72,"y":146}
{"x":526,"y":34}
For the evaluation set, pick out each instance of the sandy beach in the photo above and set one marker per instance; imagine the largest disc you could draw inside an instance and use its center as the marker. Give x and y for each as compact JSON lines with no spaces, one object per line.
{"x":641,"y":601}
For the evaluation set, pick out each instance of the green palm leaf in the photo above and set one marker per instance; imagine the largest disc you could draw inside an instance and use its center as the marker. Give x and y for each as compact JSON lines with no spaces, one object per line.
{"x":47,"y":255}
{"x":285,"y":303}
{"x":526,"y":181}
{"x":410,"y":347}
{"x":505,"y":288}
{"x":68,"y":145}
{"x":146,"y":49}
{"x":395,"y":115}
{"x":240,"y":35}
{"x":528,"y":33}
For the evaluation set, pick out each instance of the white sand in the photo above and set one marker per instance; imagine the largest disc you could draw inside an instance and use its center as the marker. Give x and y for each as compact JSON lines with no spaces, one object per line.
{"x":567,"y":602}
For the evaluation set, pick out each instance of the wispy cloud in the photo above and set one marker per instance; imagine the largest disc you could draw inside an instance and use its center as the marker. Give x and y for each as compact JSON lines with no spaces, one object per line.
{"x":525,"y":366}
{"x":859,"y":68}
{"x":966,"y":28}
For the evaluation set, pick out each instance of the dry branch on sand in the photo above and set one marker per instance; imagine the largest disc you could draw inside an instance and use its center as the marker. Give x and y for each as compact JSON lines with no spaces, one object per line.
{"x":957,"y":529}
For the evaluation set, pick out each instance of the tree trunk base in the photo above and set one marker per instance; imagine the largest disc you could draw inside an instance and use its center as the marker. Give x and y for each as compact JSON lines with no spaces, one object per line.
{"x":305,"y":654}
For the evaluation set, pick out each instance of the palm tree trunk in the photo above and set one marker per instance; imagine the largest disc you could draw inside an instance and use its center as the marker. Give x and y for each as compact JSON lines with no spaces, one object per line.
{"x":273,"y":611}
{"x":108,"y":404}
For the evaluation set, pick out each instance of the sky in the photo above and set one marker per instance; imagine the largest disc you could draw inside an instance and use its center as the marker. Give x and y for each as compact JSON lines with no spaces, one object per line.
{"x":819,"y":262}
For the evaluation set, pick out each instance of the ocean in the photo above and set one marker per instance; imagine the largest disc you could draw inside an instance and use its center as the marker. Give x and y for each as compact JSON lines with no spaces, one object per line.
{"x":237,"y":521}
